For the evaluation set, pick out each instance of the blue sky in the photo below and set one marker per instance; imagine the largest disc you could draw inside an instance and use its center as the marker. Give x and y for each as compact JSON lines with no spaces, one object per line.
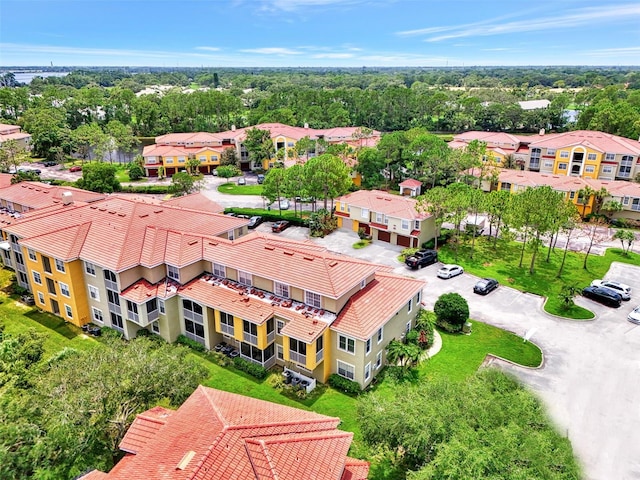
{"x":301,"y":33}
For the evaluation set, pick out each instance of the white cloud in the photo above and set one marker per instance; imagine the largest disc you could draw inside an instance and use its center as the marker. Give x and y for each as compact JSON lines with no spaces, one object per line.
{"x":209,"y":49}
{"x":272,"y":51}
{"x":333,"y":55}
{"x":624,"y":51}
{"x":292,"y":5}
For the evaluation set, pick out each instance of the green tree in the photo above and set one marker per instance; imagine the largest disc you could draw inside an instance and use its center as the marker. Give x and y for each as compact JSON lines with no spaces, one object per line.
{"x":274,"y":185}
{"x":183,"y":183}
{"x":85,"y":138}
{"x":259,"y":145}
{"x":99,"y":177}
{"x":228,"y":171}
{"x":327,"y":177}
{"x":436,"y":202}
{"x":626,"y":237}
{"x":229,"y":157}
{"x":192,"y":166}
{"x":48,"y":129}
{"x":567,"y":294}
{"x":404,"y":354}
{"x":12,"y":154}
{"x":370,"y":166}
{"x":451,"y":309}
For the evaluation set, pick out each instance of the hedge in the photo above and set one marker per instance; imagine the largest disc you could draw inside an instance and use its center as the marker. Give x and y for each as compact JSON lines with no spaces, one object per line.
{"x":251,"y":368}
{"x":158,"y":189}
{"x":198,"y":347}
{"x":271,"y":215}
{"x":344,"y":384}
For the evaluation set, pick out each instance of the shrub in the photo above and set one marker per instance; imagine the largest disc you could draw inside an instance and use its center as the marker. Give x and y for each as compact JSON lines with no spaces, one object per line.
{"x":270,"y":215}
{"x":412,"y":337}
{"x":451,"y":309}
{"x":444,"y":237}
{"x":251,"y":368}
{"x":143,"y":332}
{"x":344,"y":384}
{"x":187,"y":342}
{"x":157,"y":189}
{"x":425,"y":322}
{"x":108,"y":332}
{"x":322,"y":223}
{"x":407,"y":252}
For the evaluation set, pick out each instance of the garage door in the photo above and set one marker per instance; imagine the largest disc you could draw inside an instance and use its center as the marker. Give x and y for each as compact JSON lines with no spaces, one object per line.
{"x":384,"y":236}
{"x":404,"y":241}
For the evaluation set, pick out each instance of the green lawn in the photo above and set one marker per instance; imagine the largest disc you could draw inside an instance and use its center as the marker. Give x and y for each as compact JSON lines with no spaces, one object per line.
{"x":231,"y":188}
{"x":502,"y":264}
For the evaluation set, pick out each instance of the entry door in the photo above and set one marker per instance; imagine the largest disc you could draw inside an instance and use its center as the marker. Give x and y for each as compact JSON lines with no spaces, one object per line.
{"x":55,"y":308}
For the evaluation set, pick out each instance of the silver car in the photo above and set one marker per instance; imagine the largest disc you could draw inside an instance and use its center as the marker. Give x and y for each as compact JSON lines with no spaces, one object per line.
{"x":623,"y":290}
{"x":449,"y":270}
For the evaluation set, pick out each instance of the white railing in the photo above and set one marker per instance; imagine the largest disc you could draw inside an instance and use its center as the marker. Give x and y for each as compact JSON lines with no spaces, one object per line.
{"x":297,"y":357}
{"x":252,"y":339}
{"x":319,"y":356}
{"x":227,"y":329}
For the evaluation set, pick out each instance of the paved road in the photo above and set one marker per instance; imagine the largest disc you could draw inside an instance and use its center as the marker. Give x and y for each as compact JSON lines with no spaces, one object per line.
{"x":589,"y":381}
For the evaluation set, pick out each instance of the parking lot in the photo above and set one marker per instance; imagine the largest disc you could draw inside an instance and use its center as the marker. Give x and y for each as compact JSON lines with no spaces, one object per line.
{"x":589,"y":380}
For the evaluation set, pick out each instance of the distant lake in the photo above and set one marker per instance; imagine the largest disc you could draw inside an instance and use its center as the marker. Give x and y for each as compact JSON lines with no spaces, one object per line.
{"x":26,"y":77}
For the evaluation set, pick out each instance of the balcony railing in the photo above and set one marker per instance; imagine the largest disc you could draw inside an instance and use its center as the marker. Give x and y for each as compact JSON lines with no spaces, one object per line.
{"x":297,"y":357}
{"x":271,"y":336}
{"x":227,"y":329}
{"x":114,"y":308}
{"x":319,"y":356}
{"x":153,"y":315}
{"x":111,"y":285}
{"x":133,"y":316}
{"x":252,"y":339}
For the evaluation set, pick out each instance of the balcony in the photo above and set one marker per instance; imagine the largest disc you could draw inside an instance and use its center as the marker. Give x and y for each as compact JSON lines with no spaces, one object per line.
{"x":111,"y":285}
{"x":319,"y":356}
{"x":153,"y":315}
{"x":298,"y":358}
{"x":227,"y":329}
{"x":271,"y":336}
{"x":251,"y":339}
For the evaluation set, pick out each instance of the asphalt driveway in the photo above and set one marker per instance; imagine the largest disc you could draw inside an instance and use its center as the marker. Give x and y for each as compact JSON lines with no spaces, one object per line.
{"x":590,"y":379}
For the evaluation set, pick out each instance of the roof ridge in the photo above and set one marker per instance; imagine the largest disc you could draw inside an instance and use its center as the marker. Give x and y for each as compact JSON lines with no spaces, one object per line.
{"x":328,"y":434}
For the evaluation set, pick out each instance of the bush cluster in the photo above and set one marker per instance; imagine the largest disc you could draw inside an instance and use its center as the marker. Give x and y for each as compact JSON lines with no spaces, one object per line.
{"x":344,"y":384}
{"x":444,"y":237}
{"x":270,"y":215}
{"x":158,"y":189}
{"x":187,"y":342}
{"x":251,"y":368}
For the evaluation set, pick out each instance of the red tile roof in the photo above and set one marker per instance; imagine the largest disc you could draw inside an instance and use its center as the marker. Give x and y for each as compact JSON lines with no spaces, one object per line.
{"x":217,"y":435}
{"x":383,"y":202}
{"x":411,"y":183}
{"x":195,"y":201}
{"x":94,"y":475}
{"x":604,"y":142}
{"x":142,"y":290}
{"x":144,"y":428}
{"x":38,"y":195}
{"x":372,"y":306}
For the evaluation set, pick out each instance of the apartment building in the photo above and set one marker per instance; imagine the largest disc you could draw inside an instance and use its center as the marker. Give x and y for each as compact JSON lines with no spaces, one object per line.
{"x":177,"y":271}
{"x":217,"y":435}
{"x":14,"y":132}
{"x":386,"y":217}
{"x":173,"y":150}
{"x":583,"y":153}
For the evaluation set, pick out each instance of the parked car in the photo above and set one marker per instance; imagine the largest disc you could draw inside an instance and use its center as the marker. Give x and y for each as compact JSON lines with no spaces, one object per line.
{"x":49,"y":163}
{"x":279,"y":226}
{"x":214,"y":172}
{"x":260,"y":178}
{"x":231,"y":214}
{"x":603,"y":295}
{"x":620,"y":288}
{"x":242,"y":181}
{"x":284,"y":204}
{"x":485,"y":286}
{"x":421,"y":258}
{"x":634,"y":316}
{"x":450,"y":270}
{"x":76,"y":168}
{"x":254,"y":222}
{"x":37,"y":171}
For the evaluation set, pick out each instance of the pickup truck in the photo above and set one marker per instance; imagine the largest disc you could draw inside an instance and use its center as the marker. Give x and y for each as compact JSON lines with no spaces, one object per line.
{"x":421,"y":258}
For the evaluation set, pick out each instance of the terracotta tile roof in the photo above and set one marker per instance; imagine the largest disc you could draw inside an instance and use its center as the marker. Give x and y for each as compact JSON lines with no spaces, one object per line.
{"x":125,"y":224}
{"x":490,"y":138}
{"x":411,"y":182}
{"x":604,"y":142}
{"x":355,"y":470}
{"x":64,"y":243}
{"x":195,"y":201}
{"x":38,"y":195}
{"x":223,"y":436}
{"x":184,"y":138}
{"x":301,"y":328}
{"x":299,"y":264}
{"x":144,"y":427}
{"x":383,"y":202}
{"x":7,"y":128}
{"x":372,"y":306}
{"x":94,"y":475}
{"x":5,"y":179}
{"x":142,"y":290}
{"x":14,"y":136}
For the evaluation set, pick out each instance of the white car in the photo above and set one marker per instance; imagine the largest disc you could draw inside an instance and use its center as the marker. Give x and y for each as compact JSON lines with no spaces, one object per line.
{"x":284,"y":204}
{"x":449,"y":270}
{"x":620,"y":288}
{"x":634,"y":316}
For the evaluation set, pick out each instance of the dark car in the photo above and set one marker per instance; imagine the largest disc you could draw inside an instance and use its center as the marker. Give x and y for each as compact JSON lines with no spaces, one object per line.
{"x":603,"y":295}
{"x":254,"y":222}
{"x":485,"y":286}
{"x":421,"y":258}
{"x":260,"y":178}
{"x":280,"y":225}
{"x":49,"y":163}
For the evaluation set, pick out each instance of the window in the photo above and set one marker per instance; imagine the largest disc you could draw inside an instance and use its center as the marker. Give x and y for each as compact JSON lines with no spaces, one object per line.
{"x":562,"y":166}
{"x":227,"y":324}
{"x":345,"y":370}
{"x":505,"y":186}
{"x":610,"y":157}
{"x":379,"y":360}
{"x":32,"y":255}
{"x":367,"y":371}
{"x":410,"y":305}
{"x":297,"y":351}
{"x":405,"y":225}
{"x":110,"y":280}
{"x":416,"y":224}
{"x":572,"y":195}
{"x":608,"y":169}
{"x":419,"y":297}
{"x":367,"y":347}
{"x":161,"y":307}
{"x":534,"y":160}
{"x":94,"y":293}
{"x":589,"y":169}
{"x":231,"y":235}
{"x":244,"y":278}
{"x":548,"y":164}
{"x":363,"y":283}
{"x":36,"y":277}
{"x":319,"y":349}
{"x":168,"y":160}
{"x":279,"y":352}
{"x":281,"y":289}
{"x":625,"y":166}
{"x":625,"y":201}
{"x":203,"y":159}
{"x":90,"y":269}
{"x":380,"y":334}
{"x":113,"y":297}
{"x":219,"y":270}
{"x":250,"y":331}
{"x":635,"y":204}
{"x":181,"y":159}
{"x":97,"y":315}
{"x":64,"y":289}
{"x":155,"y":327}
{"x":407,"y":327}
{"x":60,"y":266}
{"x":591,"y":156}
{"x":313,"y":299}
{"x":41,"y":297}
{"x":346,"y":344}
{"x":193,"y":321}
{"x":173,"y":273}
{"x":379,"y":217}
{"x":564,"y":154}
{"x":365,"y":213}
{"x":46,"y":264}
{"x":68,"y":311}
{"x":51,"y":286}
{"x":551,"y":151}
{"x":279,"y":326}
{"x":116,"y":321}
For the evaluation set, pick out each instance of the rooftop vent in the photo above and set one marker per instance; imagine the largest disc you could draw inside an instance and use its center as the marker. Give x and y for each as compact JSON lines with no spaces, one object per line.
{"x":67,"y":198}
{"x":185,"y":460}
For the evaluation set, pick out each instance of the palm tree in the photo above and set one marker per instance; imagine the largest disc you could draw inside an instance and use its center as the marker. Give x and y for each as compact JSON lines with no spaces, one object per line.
{"x":404,"y":354}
